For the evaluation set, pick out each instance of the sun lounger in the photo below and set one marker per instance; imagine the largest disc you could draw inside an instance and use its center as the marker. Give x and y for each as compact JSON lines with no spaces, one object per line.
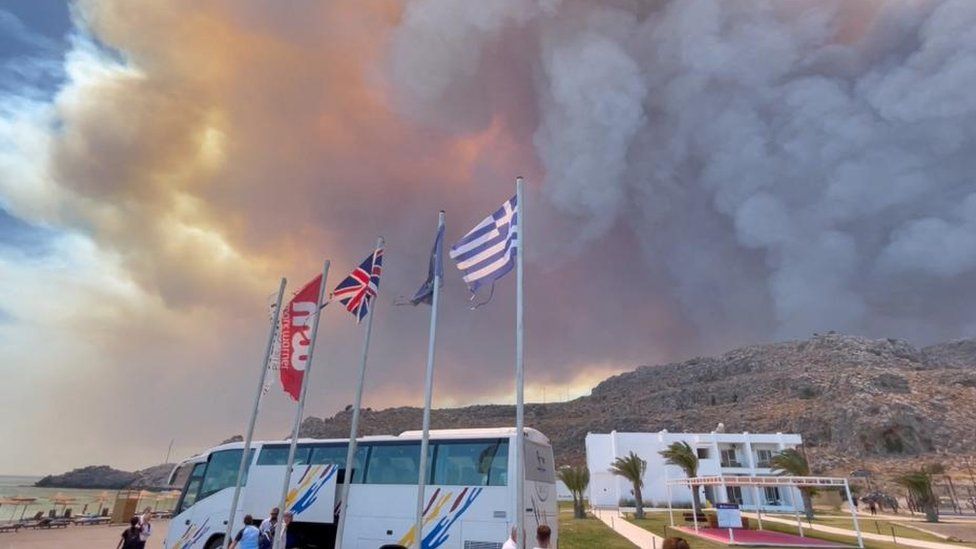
{"x":91,"y":520}
{"x":9,"y":527}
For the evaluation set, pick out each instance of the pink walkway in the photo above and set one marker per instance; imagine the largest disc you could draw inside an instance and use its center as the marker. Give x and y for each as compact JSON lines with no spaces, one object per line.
{"x":758,"y":537}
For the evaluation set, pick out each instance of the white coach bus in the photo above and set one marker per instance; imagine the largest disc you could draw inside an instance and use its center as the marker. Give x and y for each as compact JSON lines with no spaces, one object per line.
{"x":470,"y":495}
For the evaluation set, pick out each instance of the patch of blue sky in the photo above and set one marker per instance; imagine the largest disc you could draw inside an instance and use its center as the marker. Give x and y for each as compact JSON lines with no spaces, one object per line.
{"x":33,"y":41}
{"x":27,"y":239}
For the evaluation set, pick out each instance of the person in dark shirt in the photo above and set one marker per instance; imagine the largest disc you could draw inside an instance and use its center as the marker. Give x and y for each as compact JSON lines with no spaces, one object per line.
{"x":293,"y":538}
{"x":131,"y":536}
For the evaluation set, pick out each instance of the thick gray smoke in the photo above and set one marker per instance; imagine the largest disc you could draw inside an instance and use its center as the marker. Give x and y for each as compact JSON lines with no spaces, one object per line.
{"x":795,"y":165}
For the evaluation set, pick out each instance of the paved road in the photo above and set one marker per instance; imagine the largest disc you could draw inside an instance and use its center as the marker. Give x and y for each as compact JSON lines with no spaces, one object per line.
{"x":635,"y":534}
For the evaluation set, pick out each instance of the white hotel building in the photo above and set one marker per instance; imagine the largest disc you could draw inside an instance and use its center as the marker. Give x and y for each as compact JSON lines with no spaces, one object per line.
{"x":719,"y":454}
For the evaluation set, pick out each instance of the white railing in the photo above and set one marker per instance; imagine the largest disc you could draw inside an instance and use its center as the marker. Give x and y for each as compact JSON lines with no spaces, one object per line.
{"x":720,"y":480}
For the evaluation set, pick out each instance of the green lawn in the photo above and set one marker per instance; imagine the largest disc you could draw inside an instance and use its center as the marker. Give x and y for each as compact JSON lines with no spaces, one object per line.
{"x":849,"y":540}
{"x":876,"y":526}
{"x":657,"y":523}
{"x":588,"y":533}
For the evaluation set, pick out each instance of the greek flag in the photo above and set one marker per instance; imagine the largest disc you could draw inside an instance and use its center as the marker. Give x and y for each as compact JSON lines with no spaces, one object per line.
{"x":488,"y":251}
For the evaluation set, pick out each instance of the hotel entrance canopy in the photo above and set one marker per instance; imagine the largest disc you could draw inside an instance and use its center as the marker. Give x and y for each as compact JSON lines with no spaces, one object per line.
{"x":768,"y":481}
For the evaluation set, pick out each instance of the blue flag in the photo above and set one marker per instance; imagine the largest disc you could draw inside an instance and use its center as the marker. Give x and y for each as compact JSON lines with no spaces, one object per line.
{"x":434,"y":270}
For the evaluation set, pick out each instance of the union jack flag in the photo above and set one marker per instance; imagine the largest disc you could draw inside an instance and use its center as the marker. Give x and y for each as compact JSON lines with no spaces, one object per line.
{"x":358,"y":289}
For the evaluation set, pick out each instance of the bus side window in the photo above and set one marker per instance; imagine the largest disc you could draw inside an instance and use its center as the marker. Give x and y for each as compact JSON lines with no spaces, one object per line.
{"x":189,"y":495}
{"x":278,"y":455}
{"x":393,"y":464}
{"x":337,"y":455}
{"x":471,"y":463}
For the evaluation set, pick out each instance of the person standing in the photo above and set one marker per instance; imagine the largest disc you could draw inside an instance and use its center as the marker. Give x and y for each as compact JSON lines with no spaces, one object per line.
{"x":130,"y":536}
{"x":292,"y":538}
{"x":542,"y":535}
{"x":247,"y":537}
{"x":510,"y":543}
{"x":267,"y":529}
{"x":145,"y":527}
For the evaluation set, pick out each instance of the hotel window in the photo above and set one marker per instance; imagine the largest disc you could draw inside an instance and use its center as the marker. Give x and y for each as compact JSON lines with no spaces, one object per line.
{"x":771,"y":494}
{"x":729,"y":458}
{"x":763,"y":458}
{"x":702,"y":453}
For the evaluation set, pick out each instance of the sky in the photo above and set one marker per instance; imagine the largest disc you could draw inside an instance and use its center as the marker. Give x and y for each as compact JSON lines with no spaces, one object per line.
{"x":700,"y":175}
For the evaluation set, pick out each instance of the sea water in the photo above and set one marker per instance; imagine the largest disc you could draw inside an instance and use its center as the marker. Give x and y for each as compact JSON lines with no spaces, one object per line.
{"x":83,"y":502}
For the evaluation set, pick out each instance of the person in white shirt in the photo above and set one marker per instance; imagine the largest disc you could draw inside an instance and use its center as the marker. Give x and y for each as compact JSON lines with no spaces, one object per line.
{"x":145,"y":526}
{"x":268,"y":524}
{"x":542,"y":537}
{"x":510,"y":542}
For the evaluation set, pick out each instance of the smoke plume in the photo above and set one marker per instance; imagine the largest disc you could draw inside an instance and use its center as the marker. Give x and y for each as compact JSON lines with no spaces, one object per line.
{"x":702,"y":173}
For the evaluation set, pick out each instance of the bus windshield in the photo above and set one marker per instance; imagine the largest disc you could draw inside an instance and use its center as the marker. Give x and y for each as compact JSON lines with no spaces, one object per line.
{"x":205,"y":479}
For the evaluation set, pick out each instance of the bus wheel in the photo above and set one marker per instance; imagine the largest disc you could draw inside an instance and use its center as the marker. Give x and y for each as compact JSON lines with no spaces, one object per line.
{"x":216,"y":542}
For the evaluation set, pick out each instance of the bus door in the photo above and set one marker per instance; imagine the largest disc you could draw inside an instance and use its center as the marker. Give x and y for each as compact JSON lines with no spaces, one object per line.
{"x":540,"y":489}
{"x":311,"y":491}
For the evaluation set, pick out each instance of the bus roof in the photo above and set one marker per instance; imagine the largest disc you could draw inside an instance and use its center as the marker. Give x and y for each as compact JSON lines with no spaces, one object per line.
{"x":435,"y":434}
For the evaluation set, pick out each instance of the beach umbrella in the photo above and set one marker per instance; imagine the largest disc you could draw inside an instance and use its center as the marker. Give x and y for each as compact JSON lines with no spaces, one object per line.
{"x":25,"y":501}
{"x":61,"y":499}
{"x":10,"y":502}
{"x":101,"y":499}
{"x":16,"y":501}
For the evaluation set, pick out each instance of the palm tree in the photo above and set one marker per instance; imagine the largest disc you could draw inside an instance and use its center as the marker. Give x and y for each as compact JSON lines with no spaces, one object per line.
{"x":576,"y":478}
{"x":681,"y":454}
{"x":919,"y":486}
{"x":791,"y":462}
{"x":632,"y":468}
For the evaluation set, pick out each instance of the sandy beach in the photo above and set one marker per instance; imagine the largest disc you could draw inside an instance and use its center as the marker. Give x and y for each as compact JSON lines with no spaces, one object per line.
{"x":78,"y":537}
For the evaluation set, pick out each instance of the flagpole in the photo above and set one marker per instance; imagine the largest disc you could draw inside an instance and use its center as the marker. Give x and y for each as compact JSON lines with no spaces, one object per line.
{"x":354,"y":428}
{"x":428,"y":388}
{"x":519,"y":364}
{"x":254,"y":414}
{"x":299,"y":411}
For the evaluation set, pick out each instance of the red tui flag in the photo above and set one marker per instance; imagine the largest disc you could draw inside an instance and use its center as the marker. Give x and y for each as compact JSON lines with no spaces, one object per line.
{"x":296,"y":325}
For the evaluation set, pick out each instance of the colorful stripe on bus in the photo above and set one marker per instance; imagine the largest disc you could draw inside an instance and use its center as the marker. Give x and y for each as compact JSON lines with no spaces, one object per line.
{"x":302,"y":496}
{"x":439,"y":534}
{"x":192,"y":535}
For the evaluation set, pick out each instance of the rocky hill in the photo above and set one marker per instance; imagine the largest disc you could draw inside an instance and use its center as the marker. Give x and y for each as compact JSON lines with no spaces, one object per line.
{"x":105,"y":477}
{"x":857,"y":402}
